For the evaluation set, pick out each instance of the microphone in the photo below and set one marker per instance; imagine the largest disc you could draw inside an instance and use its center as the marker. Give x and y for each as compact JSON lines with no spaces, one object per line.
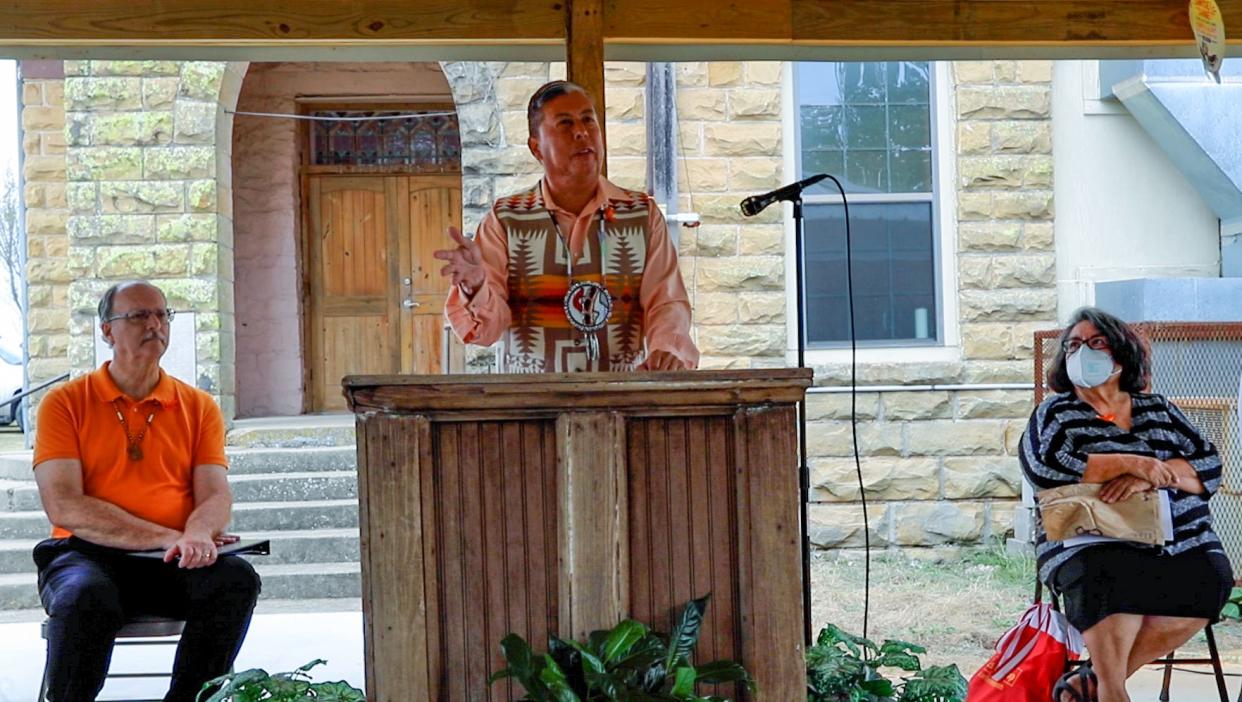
{"x":755,"y":204}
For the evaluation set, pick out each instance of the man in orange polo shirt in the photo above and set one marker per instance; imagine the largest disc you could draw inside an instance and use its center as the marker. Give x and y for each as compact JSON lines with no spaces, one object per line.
{"x":130,"y":459}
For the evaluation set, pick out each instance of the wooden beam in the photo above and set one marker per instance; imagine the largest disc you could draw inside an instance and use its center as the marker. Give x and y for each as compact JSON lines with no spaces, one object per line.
{"x":633,"y":29}
{"x":910,"y":22}
{"x":240,"y":22}
{"x":584,"y":57}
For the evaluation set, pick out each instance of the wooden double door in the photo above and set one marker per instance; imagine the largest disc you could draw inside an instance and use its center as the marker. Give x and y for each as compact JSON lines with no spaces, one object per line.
{"x":376,"y":295}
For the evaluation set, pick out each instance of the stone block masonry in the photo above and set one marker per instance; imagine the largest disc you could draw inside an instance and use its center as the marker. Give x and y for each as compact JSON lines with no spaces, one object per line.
{"x":45,"y":194}
{"x":145,"y":160}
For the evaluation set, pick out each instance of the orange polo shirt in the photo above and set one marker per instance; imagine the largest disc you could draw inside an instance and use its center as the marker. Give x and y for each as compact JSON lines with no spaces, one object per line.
{"x":79,"y":420}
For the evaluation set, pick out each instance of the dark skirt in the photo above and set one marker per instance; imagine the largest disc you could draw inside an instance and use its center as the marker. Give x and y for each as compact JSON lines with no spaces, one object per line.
{"x":1120,"y":579}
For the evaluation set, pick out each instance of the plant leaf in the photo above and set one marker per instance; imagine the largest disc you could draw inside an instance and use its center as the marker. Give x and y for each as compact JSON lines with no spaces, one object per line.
{"x":718,"y":672}
{"x":899,"y":654}
{"x":557,"y":684}
{"x":831,"y":635}
{"x":523,"y":666}
{"x":339,"y":691}
{"x":621,"y":639}
{"x":305,"y":667}
{"x":685,"y":635}
{"x":935,"y":684}
{"x":683,"y":683}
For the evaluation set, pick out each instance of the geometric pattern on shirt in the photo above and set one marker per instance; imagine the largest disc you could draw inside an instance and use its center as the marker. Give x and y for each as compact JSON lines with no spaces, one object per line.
{"x":540,"y":338}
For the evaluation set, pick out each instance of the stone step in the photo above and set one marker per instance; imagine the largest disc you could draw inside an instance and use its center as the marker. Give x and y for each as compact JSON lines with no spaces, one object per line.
{"x":300,"y":515}
{"x":292,"y":460}
{"x":297,"y":581}
{"x":288,"y":547}
{"x":23,"y":496}
{"x":293,"y":432}
{"x":19,"y":496}
{"x":295,"y":486}
{"x":17,"y":465}
{"x":247,"y":517}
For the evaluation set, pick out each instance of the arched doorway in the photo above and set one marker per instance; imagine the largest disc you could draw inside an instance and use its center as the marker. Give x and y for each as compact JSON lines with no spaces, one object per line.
{"x":337,"y":208}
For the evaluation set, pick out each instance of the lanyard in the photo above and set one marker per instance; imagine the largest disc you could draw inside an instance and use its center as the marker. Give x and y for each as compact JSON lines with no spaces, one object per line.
{"x":569,"y":254}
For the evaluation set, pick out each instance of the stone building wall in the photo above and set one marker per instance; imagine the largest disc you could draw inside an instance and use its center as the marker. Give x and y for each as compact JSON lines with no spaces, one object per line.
{"x":47,"y":242}
{"x":729,"y":117}
{"x":941,"y":467}
{"x":148,"y":199}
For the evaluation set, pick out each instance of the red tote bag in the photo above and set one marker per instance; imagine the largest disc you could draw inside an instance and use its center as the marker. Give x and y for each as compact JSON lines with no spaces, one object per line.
{"x":1029,"y":659}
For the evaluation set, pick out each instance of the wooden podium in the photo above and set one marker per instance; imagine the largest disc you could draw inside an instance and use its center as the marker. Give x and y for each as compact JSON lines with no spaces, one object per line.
{"x":563,"y":503}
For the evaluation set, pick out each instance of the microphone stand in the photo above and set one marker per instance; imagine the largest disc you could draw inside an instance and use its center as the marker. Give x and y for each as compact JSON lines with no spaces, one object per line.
{"x":804,"y":473}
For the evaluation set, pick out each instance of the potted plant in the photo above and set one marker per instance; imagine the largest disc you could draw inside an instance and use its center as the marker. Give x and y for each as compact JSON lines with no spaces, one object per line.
{"x":257,"y":685}
{"x":627,"y":662}
{"x":841,"y":667}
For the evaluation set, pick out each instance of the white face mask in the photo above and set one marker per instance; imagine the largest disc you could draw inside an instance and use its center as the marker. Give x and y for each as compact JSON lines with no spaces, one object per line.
{"x":1089,"y":368}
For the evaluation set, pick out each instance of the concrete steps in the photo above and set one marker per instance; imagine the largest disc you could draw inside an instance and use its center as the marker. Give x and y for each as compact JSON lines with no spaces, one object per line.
{"x":294,"y":481}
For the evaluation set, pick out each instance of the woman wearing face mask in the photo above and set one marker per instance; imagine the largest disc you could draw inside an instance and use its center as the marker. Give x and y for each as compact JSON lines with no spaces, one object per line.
{"x":1133,"y":603}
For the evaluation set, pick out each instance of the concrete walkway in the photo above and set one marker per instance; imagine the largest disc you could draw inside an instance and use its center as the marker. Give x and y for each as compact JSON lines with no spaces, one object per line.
{"x":285,"y":635}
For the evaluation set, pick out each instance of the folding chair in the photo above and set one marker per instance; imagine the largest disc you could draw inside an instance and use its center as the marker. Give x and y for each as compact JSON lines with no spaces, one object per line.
{"x":1213,"y":658}
{"x":140,"y":631}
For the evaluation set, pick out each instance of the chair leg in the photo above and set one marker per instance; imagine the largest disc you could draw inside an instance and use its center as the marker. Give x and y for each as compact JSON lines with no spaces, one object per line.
{"x":43,"y":682}
{"x":1220,"y":674}
{"x":1168,"y":676}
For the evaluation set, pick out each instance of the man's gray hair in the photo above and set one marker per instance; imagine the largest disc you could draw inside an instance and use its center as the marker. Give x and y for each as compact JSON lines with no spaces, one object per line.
{"x":545,"y":94}
{"x":109,"y":297}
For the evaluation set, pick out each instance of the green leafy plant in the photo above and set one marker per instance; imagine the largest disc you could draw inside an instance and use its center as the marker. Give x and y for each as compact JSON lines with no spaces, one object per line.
{"x":1233,"y":605}
{"x":841,"y":667}
{"x":629,"y":663}
{"x":256,"y":685}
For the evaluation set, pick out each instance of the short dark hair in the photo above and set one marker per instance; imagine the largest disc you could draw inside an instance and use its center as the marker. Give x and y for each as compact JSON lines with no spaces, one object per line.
{"x":109,"y":297}
{"x":1126,"y":346}
{"x":545,"y":94}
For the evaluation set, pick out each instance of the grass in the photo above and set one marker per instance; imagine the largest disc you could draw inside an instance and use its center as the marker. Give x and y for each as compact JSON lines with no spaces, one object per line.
{"x":954,"y":602}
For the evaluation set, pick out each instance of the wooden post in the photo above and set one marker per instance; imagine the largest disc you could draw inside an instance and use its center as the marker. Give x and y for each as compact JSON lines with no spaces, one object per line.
{"x":584,"y":57}
{"x":591,"y":480}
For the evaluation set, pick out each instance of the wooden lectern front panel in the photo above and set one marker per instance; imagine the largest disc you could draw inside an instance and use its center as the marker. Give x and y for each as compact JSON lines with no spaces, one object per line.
{"x":683,"y":528}
{"x":495,"y":512}
{"x":559,"y":504}
{"x":469,"y":537}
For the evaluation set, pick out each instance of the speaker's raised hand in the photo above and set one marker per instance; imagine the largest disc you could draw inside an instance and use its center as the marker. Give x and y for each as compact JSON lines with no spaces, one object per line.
{"x":465,"y":263}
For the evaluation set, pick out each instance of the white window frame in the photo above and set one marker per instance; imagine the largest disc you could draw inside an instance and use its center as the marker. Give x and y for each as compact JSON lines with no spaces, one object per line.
{"x":944,"y":209}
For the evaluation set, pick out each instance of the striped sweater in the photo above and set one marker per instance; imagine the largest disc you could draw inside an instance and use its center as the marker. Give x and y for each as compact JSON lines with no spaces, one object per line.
{"x":1064,"y":431}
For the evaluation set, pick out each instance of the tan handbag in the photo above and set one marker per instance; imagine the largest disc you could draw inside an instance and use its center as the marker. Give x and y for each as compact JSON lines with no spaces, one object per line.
{"x":1077,"y":510}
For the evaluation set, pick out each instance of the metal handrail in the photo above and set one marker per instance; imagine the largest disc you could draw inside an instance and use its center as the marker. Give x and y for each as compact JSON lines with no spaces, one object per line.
{"x":27,"y":393}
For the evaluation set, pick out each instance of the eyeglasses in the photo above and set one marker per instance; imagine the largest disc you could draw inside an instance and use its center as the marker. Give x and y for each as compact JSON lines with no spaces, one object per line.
{"x":144,"y":316}
{"x":1097,"y":342}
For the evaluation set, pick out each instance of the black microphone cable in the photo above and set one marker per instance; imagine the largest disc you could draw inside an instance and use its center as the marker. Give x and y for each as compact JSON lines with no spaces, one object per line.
{"x":862,"y":490}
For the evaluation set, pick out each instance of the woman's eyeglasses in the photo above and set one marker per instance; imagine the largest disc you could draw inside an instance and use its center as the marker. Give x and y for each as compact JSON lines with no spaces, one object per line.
{"x":1097,"y":342}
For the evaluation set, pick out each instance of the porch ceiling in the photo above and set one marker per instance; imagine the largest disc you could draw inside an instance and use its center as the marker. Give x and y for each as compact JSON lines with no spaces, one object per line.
{"x":632,"y":29}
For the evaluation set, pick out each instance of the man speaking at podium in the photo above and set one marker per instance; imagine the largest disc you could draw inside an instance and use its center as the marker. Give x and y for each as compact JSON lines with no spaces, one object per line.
{"x":617,"y":303}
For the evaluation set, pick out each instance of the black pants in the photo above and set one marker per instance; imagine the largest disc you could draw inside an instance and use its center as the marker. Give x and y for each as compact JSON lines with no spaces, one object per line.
{"x":89,"y":591}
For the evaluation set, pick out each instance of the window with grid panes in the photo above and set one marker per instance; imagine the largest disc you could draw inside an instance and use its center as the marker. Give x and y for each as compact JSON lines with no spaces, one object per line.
{"x":870,"y":124}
